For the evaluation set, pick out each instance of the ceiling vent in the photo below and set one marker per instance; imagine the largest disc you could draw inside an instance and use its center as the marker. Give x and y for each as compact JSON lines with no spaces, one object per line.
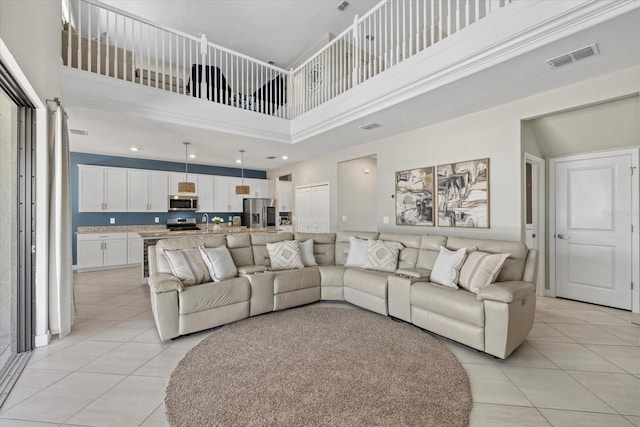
{"x":270,"y":157}
{"x":371,"y":126}
{"x":574,"y":56}
{"x":78,"y":132}
{"x":342,"y":6}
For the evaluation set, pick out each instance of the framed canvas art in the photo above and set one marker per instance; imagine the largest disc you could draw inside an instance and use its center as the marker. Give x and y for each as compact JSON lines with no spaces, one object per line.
{"x":414,"y":197}
{"x":463,"y":194}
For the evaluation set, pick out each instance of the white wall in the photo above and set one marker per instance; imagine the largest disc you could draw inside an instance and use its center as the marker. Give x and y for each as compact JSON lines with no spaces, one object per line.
{"x":495,"y":133}
{"x":357,"y":194}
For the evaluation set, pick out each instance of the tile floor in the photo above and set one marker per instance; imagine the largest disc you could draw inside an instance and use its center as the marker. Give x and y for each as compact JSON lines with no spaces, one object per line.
{"x":580,"y":366}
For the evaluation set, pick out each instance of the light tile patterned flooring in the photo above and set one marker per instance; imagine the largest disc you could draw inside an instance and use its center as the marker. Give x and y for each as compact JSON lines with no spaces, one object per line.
{"x":580,"y":366}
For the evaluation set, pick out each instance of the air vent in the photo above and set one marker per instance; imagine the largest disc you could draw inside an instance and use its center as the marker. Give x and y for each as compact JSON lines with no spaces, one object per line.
{"x":270,"y":157}
{"x":78,"y":132}
{"x":370,"y":126}
{"x":271,"y":63}
{"x":342,"y":6}
{"x":574,"y":56}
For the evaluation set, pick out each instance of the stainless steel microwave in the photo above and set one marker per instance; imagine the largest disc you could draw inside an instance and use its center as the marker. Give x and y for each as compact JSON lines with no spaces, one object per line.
{"x":181,"y":202}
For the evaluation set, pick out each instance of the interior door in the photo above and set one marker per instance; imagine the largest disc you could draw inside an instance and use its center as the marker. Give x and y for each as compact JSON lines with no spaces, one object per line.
{"x":593,"y":230}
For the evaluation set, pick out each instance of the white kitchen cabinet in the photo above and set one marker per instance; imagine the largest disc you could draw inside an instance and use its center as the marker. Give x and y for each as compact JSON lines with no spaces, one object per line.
{"x":147,"y":191}
{"x":102,"y":189}
{"x":175,"y":178}
{"x":206,"y":190}
{"x":95,"y":250}
{"x":135,"y":249}
{"x":284,"y":195}
{"x":221,"y":194}
{"x":235,"y":200}
{"x":259,"y":188}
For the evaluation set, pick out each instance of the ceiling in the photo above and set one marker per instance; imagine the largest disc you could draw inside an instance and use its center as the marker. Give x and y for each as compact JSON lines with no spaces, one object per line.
{"x":269,"y":30}
{"x":516,"y":78}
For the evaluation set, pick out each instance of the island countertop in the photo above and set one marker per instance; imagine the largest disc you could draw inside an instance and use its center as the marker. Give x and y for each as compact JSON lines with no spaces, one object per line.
{"x":161,"y":234}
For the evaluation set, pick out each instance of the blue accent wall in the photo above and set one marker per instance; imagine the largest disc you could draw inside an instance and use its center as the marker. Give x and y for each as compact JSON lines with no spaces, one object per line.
{"x":93,"y":219}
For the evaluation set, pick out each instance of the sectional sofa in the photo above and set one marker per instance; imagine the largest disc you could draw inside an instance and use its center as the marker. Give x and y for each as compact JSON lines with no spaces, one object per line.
{"x":495,"y":320}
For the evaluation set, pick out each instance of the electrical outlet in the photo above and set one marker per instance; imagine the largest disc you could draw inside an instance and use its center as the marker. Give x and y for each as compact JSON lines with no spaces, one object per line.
{"x":112,"y":220}
{"x":157,"y":220}
{"x":385,"y":220}
{"x":344,"y":218}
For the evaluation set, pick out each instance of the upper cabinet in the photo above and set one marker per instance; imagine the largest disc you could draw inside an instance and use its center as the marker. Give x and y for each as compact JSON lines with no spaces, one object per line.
{"x":258,"y":188}
{"x":102,"y":189}
{"x":221,"y":194}
{"x":175,"y":178}
{"x":235,"y":200}
{"x":284,"y":196}
{"x":147,"y":191}
{"x":205,"y":188}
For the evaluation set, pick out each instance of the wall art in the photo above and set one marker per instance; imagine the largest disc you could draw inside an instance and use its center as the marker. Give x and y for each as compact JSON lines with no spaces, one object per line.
{"x":463,"y":194}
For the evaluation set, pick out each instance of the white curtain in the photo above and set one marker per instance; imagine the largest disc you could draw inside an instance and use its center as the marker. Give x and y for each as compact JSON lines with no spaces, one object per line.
{"x":61,"y":301}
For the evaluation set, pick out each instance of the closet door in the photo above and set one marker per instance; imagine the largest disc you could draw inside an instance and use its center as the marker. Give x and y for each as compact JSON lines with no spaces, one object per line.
{"x":313,"y":209}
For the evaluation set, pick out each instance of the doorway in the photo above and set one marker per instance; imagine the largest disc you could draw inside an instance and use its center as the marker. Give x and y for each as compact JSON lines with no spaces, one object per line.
{"x":593,"y":230}
{"x":534,"y":227}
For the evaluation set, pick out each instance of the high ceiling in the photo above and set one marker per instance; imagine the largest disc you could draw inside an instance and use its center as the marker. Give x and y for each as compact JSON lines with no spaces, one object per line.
{"x":269,"y":30}
{"x":521,"y":76}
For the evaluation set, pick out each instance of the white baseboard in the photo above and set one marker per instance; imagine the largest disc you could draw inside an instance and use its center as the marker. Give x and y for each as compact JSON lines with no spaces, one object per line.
{"x":43,"y":340}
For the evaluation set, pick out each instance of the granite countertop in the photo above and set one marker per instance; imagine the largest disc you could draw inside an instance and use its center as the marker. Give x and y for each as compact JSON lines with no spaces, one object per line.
{"x":122,"y":229}
{"x":161,"y":231}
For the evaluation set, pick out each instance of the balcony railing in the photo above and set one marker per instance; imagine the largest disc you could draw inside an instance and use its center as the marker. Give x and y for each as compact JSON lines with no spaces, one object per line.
{"x":105,"y":40}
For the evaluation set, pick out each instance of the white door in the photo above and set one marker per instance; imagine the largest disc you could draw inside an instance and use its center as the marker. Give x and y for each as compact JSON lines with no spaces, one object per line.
{"x":138,"y":194}
{"x":303,"y":210}
{"x":321,"y":204}
{"x":115,"y":252}
{"x":90,"y":253}
{"x":91,"y":189}
{"x":158,"y":195}
{"x":593,"y":230}
{"x":313,"y":209}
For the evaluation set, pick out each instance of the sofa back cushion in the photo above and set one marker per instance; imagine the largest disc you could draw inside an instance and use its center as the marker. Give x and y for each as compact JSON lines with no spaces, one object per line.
{"x":209,"y":241}
{"x":259,"y":245}
{"x":240,"y":247}
{"x":324,"y":246}
{"x":513,"y":267}
{"x":429,"y":250}
{"x":342,"y":242}
{"x":408,"y":257}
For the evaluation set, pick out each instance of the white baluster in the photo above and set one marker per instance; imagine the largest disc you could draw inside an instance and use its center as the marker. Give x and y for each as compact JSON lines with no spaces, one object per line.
{"x":203,"y":54}
{"x":356,"y":58}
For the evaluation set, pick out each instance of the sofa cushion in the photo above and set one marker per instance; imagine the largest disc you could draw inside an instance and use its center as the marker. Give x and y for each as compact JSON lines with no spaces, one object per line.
{"x":446,"y":269}
{"x":480,"y":270}
{"x":324,"y":246}
{"x":306,"y":253}
{"x":429,"y":250}
{"x":357,"y":254}
{"x":332,"y":275}
{"x":513,"y":267}
{"x":219,"y":263}
{"x":382,"y":256}
{"x":187,"y":265}
{"x":212,"y":295}
{"x":240,"y":247}
{"x":342,"y":243}
{"x":285,"y":255}
{"x":452,"y":303}
{"x":369,"y":281}
{"x":294,"y":280}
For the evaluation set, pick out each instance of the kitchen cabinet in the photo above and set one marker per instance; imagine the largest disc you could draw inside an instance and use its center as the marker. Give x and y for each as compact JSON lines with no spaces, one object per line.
{"x":221,"y":194}
{"x":284,"y":195}
{"x":206,"y":193}
{"x":147,"y":191}
{"x":235,"y":200}
{"x":175,"y":178}
{"x":259,"y":188}
{"x":101,"y":250}
{"x":102,"y":189}
{"x":135,"y":249}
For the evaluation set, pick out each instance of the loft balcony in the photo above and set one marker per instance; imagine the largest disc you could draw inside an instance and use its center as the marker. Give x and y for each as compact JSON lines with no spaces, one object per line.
{"x":395,"y":53}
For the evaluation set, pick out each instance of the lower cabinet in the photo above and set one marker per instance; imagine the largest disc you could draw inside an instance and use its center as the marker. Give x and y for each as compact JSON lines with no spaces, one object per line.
{"x":102,"y":250}
{"x":135,"y":249}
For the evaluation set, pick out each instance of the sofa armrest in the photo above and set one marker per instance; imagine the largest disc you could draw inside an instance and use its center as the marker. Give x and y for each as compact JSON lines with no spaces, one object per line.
{"x":507,"y":292}
{"x":164,"y":282}
{"x":414,"y":273}
{"x":251,"y":269}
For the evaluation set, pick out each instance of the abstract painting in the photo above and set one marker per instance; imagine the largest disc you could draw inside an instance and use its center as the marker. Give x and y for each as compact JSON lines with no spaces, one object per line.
{"x":414,"y":197}
{"x":463,"y":194}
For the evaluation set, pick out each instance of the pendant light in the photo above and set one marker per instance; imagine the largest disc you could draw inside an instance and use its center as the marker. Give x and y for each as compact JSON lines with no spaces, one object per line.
{"x":186,"y":186}
{"x":242,"y":189}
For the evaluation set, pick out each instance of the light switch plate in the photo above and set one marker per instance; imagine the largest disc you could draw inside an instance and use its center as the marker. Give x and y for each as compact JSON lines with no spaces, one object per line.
{"x":385,"y":220}
{"x":112,"y":220}
{"x":344,"y":218}
{"x":157,"y":220}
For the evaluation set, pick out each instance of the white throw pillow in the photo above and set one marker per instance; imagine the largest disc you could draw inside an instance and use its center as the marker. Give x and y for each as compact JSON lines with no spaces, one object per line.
{"x":219,"y":263}
{"x":480,"y":270}
{"x":446,"y":269}
{"x":187,"y":265}
{"x":357,"y":252}
{"x":306,"y":253}
{"x":285,"y":255}
{"x":382,"y":255}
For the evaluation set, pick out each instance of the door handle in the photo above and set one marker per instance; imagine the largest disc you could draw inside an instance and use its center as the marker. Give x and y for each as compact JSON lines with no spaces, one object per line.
{"x":563,"y":237}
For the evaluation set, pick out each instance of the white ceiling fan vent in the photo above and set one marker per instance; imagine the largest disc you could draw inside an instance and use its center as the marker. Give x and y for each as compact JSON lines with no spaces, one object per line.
{"x":370,"y":126}
{"x":574,"y":56}
{"x":342,"y":6}
{"x":78,"y":132}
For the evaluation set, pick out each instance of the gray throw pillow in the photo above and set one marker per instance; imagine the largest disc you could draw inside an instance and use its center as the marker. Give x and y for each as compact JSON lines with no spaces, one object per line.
{"x":219,"y":263}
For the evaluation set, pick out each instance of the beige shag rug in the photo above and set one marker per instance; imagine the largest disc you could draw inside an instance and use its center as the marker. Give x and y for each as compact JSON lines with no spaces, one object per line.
{"x":313,"y":366}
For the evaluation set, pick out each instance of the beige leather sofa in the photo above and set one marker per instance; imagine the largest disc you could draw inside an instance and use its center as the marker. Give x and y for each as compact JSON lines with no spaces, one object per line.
{"x":496,"y":320}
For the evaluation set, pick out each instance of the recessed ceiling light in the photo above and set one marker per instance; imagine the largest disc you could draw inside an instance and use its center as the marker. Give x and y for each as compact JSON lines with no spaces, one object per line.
{"x":285,"y":157}
{"x":133,"y":148}
{"x":193,"y":156}
{"x":238,"y":161}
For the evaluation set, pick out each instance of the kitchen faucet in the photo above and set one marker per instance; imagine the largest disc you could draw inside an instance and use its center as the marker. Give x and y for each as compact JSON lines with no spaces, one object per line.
{"x":205,"y":219}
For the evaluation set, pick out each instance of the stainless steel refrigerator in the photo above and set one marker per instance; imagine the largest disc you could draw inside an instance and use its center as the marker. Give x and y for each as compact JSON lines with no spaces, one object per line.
{"x":259,"y":213}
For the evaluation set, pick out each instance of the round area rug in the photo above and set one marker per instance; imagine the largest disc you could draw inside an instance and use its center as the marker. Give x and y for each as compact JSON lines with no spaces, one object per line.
{"x":318,"y":366}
